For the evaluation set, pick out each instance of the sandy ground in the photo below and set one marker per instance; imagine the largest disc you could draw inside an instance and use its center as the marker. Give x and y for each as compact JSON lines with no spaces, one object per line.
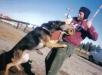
{"x":9,"y":36}
{"x":75,"y":65}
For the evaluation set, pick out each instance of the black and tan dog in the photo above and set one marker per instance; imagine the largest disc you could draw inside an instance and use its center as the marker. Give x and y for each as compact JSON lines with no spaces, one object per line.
{"x":36,"y":39}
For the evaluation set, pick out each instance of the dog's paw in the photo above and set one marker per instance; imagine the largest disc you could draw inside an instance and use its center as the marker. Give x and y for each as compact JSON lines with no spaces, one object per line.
{"x":64,"y":45}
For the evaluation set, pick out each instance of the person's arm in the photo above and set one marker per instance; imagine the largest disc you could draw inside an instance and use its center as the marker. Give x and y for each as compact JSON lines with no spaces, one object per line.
{"x":91,"y":33}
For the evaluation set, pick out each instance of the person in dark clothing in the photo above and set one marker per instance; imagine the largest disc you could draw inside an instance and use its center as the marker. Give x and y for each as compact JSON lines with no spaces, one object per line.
{"x":83,"y":28}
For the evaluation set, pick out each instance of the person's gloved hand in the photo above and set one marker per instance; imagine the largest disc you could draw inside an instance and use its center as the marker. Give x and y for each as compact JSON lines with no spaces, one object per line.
{"x":89,"y":24}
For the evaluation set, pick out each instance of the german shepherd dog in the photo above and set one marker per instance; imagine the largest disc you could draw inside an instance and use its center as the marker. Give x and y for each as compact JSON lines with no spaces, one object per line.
{"x":36,"y":39}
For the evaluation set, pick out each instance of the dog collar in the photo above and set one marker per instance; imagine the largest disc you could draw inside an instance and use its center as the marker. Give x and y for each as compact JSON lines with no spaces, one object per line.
{"x":45,"y":29}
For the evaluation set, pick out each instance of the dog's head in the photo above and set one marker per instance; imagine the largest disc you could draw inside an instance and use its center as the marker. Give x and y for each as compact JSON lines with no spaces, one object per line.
{"x":54,"y":25}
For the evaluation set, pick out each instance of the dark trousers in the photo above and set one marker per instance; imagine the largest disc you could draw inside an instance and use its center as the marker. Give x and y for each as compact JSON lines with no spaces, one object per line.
{"x":56,"y":57}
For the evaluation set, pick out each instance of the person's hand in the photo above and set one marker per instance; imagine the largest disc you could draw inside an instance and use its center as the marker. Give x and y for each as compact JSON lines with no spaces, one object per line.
{"x":89,"y":24}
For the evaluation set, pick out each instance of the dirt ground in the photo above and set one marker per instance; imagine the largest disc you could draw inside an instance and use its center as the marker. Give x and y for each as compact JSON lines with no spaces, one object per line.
{"x":74,"y":65}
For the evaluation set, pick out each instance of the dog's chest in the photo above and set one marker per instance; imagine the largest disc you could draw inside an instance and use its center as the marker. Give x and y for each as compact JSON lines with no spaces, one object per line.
{"x":26,"y":53}
{"x":25,"y":56}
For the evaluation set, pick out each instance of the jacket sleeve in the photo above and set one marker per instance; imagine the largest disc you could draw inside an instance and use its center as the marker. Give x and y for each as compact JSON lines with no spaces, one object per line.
{"x":92,"y":34}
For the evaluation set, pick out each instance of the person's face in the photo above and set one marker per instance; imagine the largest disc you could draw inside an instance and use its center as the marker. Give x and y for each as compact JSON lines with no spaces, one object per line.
{"x":80,"y":16}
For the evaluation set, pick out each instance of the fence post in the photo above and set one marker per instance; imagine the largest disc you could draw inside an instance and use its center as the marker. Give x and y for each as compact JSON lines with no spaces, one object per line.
{"x":25,"y":28}
{"x":17,"y":25}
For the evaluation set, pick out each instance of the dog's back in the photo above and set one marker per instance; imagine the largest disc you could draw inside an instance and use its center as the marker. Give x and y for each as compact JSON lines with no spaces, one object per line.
{"x":31,"y":40}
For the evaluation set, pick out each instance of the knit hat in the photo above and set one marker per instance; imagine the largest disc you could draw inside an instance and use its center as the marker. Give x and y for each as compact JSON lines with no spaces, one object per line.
{"x":86,"y":12}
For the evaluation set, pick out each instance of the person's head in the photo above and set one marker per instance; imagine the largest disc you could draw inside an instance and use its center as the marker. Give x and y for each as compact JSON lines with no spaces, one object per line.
{"x":83,"y":13}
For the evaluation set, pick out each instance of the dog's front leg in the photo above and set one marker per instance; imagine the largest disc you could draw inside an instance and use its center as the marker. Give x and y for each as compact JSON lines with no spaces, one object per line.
{"x":54,"y":43}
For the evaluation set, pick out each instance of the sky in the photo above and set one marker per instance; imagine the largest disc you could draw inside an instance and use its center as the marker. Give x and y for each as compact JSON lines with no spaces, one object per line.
{"x":41,"y":11}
